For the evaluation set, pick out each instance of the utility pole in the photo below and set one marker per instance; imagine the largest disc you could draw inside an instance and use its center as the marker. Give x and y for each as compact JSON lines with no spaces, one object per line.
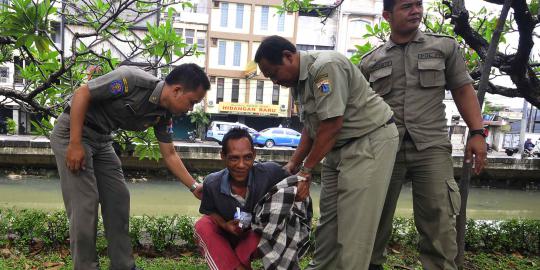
{"x":523,"y":127}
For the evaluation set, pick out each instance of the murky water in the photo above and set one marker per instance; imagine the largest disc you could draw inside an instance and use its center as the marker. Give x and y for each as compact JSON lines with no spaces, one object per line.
{"x":167,"y":198}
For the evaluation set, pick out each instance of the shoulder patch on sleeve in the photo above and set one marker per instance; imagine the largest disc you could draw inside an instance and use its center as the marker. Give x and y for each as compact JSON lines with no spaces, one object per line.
{"x":323,"y":84}
{"x":118,"y":86}
{"x":170,"y":128}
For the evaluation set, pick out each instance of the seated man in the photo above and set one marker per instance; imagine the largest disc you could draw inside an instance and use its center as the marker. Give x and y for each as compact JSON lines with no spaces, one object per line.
{"x":529,"y":145}
{"x":224,"y":244}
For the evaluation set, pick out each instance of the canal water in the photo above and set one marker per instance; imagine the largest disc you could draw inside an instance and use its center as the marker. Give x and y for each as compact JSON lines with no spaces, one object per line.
{"x":168,"y":198}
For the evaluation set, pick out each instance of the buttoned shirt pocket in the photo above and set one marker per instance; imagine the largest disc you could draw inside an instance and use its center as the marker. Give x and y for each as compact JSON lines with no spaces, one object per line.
{"x":380,"y":80}
{"x":431,"y":72}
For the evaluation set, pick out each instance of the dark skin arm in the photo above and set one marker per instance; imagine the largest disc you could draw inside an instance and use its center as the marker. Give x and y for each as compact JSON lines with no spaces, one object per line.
{"x":230,"y":226}
{"x":176,"y":166}
{"x":300,"y":153}
{"x":75,"y":152}
{"x":324,"y":141}
{"x":467,"y":104}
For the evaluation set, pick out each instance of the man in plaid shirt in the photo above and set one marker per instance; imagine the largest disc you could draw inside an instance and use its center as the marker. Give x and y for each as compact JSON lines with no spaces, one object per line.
{"x":224,"y":244}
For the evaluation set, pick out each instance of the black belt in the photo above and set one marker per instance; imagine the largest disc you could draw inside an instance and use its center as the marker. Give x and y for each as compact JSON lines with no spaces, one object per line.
{"x":89,"y":124}
{"x":390,"y":121}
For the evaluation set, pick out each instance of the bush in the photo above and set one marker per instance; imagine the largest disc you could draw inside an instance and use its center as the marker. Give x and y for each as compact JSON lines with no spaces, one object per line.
{"x":22,"y":229}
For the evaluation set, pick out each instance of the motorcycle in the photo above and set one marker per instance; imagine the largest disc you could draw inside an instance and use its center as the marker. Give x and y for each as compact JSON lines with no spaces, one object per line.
{"x":192,"y":136}
{"x":535,"y":152}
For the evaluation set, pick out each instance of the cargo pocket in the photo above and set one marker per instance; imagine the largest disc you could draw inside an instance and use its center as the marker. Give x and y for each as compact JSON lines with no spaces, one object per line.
{"x":380,"y":80}
{"x":431,"y":72}
{"x":454,"y":196}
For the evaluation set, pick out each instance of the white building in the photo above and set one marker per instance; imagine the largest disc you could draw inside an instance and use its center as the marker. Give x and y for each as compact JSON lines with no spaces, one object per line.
{"x":238,"y":91}
{"x":191,"y":24}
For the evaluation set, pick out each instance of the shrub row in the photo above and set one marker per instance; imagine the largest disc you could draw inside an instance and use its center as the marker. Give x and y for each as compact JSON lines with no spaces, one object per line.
{"x":504,"y":236}
{"x":29,"y":230}
{"x":24,"y":229}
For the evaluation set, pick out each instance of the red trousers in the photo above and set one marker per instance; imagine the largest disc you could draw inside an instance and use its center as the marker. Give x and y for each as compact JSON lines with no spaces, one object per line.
{"x":222,"y":250}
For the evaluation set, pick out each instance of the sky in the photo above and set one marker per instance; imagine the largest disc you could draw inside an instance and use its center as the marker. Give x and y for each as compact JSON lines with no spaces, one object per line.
{"x":515,"y":103}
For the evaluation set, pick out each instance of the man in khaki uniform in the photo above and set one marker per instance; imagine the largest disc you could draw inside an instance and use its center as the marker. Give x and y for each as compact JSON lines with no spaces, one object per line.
{"x":411,"y":72}
{"x":346,"y":123}
{"x":91,"y":173}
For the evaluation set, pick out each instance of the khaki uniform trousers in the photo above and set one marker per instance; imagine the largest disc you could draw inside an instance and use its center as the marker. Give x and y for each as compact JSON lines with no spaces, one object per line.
{"x":355,"y":180}
{"x":436,"y":202}
{"x":102,"y":183}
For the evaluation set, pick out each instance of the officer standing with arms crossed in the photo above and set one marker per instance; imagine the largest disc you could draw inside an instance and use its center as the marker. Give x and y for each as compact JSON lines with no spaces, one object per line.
{"x":346,"y":123}
{"x":411,"y":72}
{"x":90,"y":171}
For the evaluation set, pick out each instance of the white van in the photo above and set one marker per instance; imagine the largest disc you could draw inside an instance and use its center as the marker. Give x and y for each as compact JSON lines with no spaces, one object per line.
{"x":217,"y":130}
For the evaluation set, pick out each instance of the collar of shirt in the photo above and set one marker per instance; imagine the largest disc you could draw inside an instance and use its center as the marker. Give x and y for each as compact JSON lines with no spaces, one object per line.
{"x":418,"y":38}
{"x":156,"y":94}
{"x":306,"y":60}
{"x":225,"y":186}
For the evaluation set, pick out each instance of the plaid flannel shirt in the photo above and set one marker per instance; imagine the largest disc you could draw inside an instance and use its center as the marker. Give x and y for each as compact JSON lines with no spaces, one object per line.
{"x":284,"y":226}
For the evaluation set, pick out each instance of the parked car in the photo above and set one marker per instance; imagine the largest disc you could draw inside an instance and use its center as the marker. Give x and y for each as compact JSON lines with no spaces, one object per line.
{"x":277,"y":136}
{"x":217,"y":130}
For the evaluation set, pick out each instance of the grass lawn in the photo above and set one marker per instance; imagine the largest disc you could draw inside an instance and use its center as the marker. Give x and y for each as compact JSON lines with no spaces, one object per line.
{"x":404,"y":259}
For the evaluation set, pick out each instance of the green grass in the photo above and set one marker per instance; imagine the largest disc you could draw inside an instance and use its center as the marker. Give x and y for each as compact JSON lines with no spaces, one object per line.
{"x":404,"y":259}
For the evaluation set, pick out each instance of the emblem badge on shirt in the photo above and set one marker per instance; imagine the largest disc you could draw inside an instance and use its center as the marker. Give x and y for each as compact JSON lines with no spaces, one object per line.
{"x":118,"y":87}
{"x":170,"y":129}
{"x":324,"y":86}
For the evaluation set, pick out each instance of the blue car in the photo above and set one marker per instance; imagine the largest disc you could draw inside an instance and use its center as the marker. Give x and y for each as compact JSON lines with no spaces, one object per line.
{"x":277,"y":136}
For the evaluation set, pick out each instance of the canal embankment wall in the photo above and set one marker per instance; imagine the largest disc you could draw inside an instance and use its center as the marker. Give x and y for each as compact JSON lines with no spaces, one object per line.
{"x":35,"y":152}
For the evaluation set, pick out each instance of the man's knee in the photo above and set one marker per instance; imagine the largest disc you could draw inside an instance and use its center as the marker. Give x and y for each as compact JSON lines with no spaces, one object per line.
{"x":205,"y":225}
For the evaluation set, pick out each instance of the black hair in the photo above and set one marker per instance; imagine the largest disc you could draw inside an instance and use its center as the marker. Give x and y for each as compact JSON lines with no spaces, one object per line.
{"x":190,"y":76}
{"x":272,"y":48}
{"x":235,"y":133}
{"x":388,"y":5}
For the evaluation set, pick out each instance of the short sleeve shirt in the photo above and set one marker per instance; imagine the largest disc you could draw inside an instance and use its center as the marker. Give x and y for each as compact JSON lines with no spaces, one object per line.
{"x":331,"y":86}
{"x":128,"y":98}
{"x":217,"y":197}
{"x":412,"y":79}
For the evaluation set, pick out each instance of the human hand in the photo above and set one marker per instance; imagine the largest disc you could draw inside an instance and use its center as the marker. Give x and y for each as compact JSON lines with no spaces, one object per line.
{"x":291,"y":168}
{"x":304,"y":182}
{"x":75,"y":157}
{"x":232,"y":227}
{"x":477,"y":146}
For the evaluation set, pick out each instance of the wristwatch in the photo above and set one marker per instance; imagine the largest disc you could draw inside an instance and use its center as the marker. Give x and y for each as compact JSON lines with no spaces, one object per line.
{"x":477,"y":132}
{"x":305,"y":170}
{"x":193,"y":187}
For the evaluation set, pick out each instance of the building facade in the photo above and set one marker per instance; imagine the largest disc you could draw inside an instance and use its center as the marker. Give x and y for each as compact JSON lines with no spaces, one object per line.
{"x":239,"y":92}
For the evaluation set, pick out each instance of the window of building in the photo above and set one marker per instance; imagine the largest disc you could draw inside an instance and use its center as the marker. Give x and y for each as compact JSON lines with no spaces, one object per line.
{"x":4,"y":74}
{"x":189,"y":36}
{"x":306,"y":47}
{"x":235,"y":90}
{"x":264,"y":17}
{"x":220,"y":90}
{"x":281,"y":22}
{"x":237,"y":51}
{"x":224,"y":14}
{"x":222,"y":50}
{"x":358,"y":28}
{"x":239,"y":15}
{"x":259,"y":93}
{"x":19,"y":64}
{"x":275,"y":94}
{"x":201,"y":45}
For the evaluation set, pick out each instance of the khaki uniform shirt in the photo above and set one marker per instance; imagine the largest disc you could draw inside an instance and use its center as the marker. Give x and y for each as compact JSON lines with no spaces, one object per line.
{"x":330,"y":86}
{"x":128,"y":98}
{"x":412,"y":79}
